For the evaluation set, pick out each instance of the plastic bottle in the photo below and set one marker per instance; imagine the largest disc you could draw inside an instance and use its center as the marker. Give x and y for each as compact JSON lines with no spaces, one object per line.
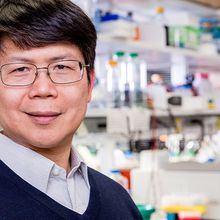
{"x":136,"y":78}
{"x":119,"y":178}
{"x":204,"y":88}
{"x":136,"y":29}
{"x":207,"y":43}
{"x":143,"y":186}
{"x":132,"y":75}
{"x":159,"y":15}
{"x":156,"y":92}
{"x":99,"y":94}
{"x":113,"y":84}
{"x":216,"y":37}
{"x":119,"y":56}
{"x":97,"y":19}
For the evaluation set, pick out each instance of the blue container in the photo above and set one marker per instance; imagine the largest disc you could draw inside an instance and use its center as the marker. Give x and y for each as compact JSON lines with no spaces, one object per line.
{"x":172,"y":216}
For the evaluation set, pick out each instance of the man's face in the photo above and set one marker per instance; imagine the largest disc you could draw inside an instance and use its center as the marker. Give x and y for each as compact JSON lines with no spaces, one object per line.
{"x":44,"y":114}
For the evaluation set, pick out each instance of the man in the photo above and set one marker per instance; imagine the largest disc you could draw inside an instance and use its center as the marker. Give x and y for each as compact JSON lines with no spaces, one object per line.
{"x":47,"y":52}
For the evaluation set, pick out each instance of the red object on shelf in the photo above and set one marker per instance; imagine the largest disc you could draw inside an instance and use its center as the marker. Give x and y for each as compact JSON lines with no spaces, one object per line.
{"x":126,"y":173}
{"x":189,"y":218}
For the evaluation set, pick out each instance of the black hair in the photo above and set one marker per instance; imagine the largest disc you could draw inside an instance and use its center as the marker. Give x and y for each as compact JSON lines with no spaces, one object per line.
{"x":36,"y":23}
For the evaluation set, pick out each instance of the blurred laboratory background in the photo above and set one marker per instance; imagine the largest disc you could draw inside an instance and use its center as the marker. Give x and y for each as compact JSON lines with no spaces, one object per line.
{"x":153,"y":124}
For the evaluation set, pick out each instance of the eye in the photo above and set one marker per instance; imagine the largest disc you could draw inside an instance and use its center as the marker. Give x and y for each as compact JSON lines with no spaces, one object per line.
{"x":65,"y":67}
{"x":60,"y":67}
{"x":21,"y":69}
{"x":18,"y":70}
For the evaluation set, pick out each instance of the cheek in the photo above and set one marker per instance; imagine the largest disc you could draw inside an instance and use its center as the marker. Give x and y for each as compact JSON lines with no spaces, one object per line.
{"x":10,"y":100}
{"x":77,"y":99}
{"x":75,"y":106}
{"x":9,"y":108}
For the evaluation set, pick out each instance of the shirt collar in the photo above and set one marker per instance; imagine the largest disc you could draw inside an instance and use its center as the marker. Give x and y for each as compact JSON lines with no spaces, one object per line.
{"x":32,"y":166}
{"x":77,"y":163}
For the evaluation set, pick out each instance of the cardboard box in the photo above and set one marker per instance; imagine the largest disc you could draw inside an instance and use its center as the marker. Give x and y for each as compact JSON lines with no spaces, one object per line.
{"x":211,"y":3}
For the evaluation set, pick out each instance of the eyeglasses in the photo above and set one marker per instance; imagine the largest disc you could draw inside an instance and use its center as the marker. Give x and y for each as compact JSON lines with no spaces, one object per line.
{"x":24,"y":74}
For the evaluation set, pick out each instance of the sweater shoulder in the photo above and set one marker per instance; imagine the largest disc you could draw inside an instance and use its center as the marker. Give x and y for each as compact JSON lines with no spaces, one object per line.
{"x":103,"y":181}
{"x":114,"y":198}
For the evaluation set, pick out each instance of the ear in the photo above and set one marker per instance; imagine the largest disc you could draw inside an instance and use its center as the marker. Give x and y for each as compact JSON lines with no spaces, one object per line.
{"x":91,"y":84}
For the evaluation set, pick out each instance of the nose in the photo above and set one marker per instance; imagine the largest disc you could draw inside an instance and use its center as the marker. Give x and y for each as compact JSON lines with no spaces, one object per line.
{"x":43,"y":87}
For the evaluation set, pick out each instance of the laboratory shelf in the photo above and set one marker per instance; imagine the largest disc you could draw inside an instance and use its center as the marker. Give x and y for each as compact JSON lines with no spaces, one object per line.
{"x":96,"y":113}
{"x":184,"y":112}
{"x":102,"y":112}
{"x":155,"y":53}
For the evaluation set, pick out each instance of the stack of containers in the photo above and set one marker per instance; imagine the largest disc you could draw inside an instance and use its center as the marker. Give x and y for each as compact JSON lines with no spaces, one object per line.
{"x":133,"y":78}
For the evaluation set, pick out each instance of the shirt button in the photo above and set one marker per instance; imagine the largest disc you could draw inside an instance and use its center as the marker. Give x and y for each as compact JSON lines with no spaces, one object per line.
{"x":55,"y":171}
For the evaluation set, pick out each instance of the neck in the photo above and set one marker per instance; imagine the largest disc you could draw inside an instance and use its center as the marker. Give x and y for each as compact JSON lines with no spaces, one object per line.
{"x":60,"y":157}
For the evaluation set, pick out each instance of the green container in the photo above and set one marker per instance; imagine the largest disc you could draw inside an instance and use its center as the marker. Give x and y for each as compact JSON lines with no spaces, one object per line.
{"x":146,"y":211}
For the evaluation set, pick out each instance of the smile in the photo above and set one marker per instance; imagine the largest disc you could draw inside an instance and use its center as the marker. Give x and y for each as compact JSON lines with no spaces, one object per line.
{"x":43,"y":118}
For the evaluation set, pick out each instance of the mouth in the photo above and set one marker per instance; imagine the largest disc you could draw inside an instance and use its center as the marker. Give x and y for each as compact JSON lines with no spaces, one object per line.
{"x":43,"y":118}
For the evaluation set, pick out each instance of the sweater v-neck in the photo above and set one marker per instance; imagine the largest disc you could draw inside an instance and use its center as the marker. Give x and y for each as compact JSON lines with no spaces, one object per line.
{"x":90,"y":213}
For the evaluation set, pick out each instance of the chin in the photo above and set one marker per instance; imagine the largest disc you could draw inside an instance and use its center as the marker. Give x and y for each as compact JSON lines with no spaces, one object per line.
{"x":44,"y":142}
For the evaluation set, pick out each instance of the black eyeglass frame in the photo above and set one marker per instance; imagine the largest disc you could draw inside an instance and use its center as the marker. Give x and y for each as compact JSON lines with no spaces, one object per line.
{"x":81,"y":66}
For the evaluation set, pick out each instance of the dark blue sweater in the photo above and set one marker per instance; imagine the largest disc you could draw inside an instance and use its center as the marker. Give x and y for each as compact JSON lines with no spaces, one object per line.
{"x":21,"y":201}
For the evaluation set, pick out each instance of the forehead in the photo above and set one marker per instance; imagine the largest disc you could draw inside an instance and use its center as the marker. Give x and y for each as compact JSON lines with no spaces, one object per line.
{"x":56,"y":51}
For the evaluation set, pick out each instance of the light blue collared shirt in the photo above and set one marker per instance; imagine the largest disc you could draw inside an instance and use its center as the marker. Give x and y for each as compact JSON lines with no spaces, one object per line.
{"x":71,"y":190}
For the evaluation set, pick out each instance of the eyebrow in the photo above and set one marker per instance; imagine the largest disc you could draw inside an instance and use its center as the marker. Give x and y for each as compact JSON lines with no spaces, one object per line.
{"x":52,"y":59}
{"x":19,"y":59}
